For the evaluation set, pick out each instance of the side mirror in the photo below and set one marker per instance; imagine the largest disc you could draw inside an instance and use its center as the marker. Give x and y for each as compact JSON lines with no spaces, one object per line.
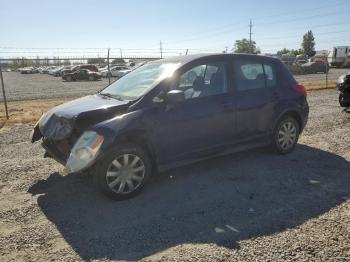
{"x":175,"y":96}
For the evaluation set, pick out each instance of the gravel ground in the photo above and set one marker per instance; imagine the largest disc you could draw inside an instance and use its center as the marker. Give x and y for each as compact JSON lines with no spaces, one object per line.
{"x":251,"y":206}
{"x":40,"y":86}
{"x":37,"y":86}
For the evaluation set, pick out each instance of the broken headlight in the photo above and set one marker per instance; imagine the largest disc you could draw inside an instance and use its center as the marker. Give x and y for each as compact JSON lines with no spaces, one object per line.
{"x":84,"y":151}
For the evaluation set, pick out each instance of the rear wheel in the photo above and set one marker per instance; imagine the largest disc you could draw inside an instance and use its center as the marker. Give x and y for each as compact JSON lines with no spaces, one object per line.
{"x":286,"y":135}
{"x":342,"y":101}
{"x":123,"y":172}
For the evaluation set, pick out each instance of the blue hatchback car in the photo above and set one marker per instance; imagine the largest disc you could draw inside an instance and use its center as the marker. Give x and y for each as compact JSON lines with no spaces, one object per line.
{"x":175,"y":111}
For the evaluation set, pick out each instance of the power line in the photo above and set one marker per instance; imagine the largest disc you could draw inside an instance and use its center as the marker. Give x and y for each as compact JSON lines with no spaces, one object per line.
{"x":214,"y":31}
{"x":290,"y":37}
{"x":277,"y":22}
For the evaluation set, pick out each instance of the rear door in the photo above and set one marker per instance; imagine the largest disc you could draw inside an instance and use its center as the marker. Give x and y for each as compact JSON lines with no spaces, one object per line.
{"x":257,"y":95}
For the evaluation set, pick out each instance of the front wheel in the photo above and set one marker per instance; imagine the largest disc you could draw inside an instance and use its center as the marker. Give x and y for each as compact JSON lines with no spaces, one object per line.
{"x":286,"y":135}
{"x":123,"y":172}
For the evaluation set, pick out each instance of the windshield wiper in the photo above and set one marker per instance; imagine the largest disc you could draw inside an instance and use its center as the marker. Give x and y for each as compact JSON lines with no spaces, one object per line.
{"x":112,"y":96}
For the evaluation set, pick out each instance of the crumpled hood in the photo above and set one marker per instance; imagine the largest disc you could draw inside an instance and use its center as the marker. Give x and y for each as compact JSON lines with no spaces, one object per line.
{"x":59,"y":122}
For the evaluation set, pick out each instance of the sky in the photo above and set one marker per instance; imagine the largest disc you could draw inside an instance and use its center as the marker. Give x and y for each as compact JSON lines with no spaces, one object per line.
{"x":135,"y":27}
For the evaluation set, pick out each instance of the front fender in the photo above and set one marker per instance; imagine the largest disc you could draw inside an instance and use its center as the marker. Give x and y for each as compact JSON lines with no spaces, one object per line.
{"x":117,"y":127}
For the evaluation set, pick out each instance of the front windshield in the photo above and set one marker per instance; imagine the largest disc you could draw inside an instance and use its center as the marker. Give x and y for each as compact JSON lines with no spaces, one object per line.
{"x":141,"y":80}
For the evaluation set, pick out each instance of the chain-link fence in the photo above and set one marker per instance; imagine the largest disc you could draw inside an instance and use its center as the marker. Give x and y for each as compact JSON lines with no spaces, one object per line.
{"x":34,"y":85}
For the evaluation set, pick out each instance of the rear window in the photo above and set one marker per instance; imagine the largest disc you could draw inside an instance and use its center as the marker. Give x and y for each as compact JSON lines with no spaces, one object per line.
{"x":253,"y":75}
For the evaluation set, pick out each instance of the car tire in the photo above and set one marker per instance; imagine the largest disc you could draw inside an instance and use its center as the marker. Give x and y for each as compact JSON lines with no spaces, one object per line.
{"x":68,"y":78}
{"x":286,"y":135}
{"x":91,"y":78}
{"x":342,"y":101}
{"x":123,"y":172}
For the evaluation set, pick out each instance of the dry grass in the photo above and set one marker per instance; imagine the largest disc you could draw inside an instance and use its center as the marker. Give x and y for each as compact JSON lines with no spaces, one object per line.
{"x":31,"y":111}
{"x":319,"y":84}
{"x":27,"y":111}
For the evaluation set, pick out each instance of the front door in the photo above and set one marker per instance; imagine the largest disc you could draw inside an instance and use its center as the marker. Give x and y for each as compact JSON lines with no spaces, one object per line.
{"x":201,"y":124}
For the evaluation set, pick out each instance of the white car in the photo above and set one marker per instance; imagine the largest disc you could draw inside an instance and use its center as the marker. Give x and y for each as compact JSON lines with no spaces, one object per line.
{"x":113,"y":71}
{"x":121,"y":73}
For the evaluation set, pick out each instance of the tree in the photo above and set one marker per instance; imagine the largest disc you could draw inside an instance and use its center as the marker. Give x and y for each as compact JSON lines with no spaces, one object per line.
{"x":308,"y":44}
{"x":244,"y":46}
{"x":118,"y":61}
{"x":294,"y":52}
{"x":96,"y":61}
{"x":66,"y":62}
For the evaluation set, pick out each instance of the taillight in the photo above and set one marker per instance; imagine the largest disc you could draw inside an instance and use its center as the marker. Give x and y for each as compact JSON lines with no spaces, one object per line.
{"x":300,"y":89}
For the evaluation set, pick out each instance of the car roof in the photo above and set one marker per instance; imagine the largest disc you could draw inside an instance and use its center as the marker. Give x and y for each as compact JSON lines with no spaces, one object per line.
{"x":184,"y":59}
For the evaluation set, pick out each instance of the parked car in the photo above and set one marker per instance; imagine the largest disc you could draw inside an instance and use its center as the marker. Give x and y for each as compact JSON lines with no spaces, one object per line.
{"x":28,"y":70}
{"x":92,"y":68}
{"x":315,"y":67}
{"x":172,"y":112}
{"x":54,"y":70}
{"x":122,"y":73}
{"x":343,"y":86}
{"x":58,"y":72}
{"x":82,"y":74}
{"x":113,"y":71}
{"x":46,"y":69}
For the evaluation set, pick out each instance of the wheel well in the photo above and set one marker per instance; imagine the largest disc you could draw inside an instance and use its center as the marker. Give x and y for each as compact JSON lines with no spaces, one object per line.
{"x":141,"y":141}
{"x":295,"y":115}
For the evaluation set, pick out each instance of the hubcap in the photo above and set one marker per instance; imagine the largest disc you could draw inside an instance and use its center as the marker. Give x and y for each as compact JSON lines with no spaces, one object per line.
{"x":287,"y":135}
{"x":125,"y":174}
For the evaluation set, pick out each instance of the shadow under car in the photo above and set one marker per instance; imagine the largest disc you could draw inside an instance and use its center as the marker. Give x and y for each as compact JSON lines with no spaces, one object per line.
{"x":221,"y":201}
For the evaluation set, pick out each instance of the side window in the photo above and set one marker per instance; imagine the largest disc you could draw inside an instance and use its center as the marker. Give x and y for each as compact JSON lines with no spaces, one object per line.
{"x":252,"y":71}
{"x":250,"y":76}
{"x":270,"y":74}
{"x":187,"y":79}
{"x":203,"y":80}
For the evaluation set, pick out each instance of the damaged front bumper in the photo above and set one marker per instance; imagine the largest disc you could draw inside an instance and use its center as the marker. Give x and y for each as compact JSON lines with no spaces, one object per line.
{"x":76,"y":154}
{"x":53,"y":152}
{"x":58,"y":150}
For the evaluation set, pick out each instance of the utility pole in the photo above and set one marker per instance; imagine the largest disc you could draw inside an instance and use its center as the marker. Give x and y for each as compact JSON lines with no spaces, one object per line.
{"x":3,"y":92}
{"x":121,"y":53}
{"x":161,"y":48}
{"x":250,"y":36}
{"x":108,"y":72}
